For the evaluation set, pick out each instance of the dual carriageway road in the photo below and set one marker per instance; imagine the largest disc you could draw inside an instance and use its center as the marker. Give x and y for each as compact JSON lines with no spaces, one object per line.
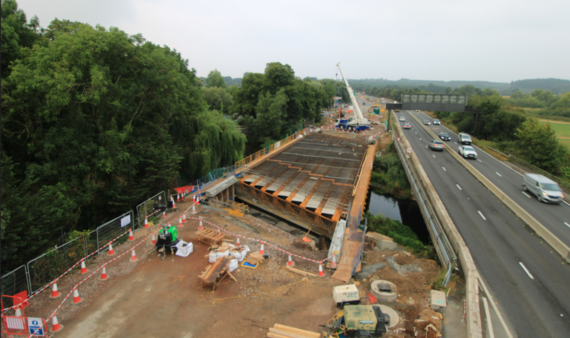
{"x":529,"y":282}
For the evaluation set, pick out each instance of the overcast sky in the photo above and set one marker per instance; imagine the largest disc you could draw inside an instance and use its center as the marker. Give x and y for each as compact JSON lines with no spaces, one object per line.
{"x":500,"y":40}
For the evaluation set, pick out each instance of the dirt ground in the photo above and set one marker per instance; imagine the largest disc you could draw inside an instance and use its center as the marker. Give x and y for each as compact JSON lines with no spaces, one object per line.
{"x":164,"y":298}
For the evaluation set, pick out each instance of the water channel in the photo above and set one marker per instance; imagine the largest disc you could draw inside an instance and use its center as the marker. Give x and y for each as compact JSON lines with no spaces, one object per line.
{"x":405,"y":211}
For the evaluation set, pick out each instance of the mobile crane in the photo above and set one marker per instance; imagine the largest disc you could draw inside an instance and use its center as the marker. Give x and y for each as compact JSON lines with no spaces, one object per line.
{"x":357,"y":123}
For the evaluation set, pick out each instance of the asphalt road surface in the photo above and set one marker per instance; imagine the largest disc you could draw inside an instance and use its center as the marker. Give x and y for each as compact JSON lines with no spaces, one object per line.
{"x":527,"y":279}
{"x":555,"y":218}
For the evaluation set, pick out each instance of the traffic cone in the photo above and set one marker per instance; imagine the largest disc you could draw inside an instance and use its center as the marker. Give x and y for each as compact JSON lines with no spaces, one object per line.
{"x":197,"y":199}
{"x":83,"y":267}
{"x":111,"y":251}
{"x":18,"y":312}
{"x":290,"y":261}
{"x":76,"y":298}
{"x":333,"y":263}
{"x":261,"y":251}
{"x":133,"y":256}
{"x":131,"y":237}
{"x":54,"y":291}
{"x":146,"y":222}
{"x":194,"y":198}
{"x":55,"y":325}
{"x":193,"y":212}
{"x":180,"y":222}
{"x":184,"y":217}
{"x":200,"y":227}
{"x":153,"y":240}
{"x":173,"y":205}
{"x":164,"y":214}
{"x":238,"y":243}
{"x":321,"y":273}
{"x":104,"y":274}
{"x":178,"y":198}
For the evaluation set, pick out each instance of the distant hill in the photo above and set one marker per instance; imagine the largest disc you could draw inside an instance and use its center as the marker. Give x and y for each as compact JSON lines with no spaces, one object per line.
{"x":557,"y":86}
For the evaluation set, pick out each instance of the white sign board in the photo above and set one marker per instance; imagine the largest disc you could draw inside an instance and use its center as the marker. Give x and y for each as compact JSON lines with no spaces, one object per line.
{"x":125,"y":220}
{"x":35,"y":327}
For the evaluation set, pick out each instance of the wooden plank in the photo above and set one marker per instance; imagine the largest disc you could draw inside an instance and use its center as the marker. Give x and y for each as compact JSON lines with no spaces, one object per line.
{"x":287,"y":334}
{"x":212,"y":274}
{"x":300,"y":272}
{"x":275,"y":335}
{"x":307,"y":333}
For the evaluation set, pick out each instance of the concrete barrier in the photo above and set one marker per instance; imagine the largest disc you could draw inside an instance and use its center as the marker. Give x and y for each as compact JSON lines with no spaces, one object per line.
{"x":562,"y":249}
{"x":473,"y":320}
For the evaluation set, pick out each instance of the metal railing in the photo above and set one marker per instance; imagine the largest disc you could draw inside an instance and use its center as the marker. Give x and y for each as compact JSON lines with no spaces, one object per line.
{"x":446,"y":253}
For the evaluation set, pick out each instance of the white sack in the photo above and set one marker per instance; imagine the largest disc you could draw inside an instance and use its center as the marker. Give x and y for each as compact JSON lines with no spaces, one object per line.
{"x":233,"y":265}
{"x":184,"y":249}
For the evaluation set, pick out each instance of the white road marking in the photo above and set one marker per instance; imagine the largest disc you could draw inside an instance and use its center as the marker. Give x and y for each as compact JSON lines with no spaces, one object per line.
{"x":420,"y":138}
{"x":498,"y":174}
{"x":455,"y":142}
{"x":426,"y":147}
{"x":526,"y":194}
{"x":443,"y":168}
{"x":482,"y":162}
{"x":433,"y":156}
{"x":458,"y":187}
{"x":481,"y":215}
{"x":525,"y":270}
{"x":568,"y":225}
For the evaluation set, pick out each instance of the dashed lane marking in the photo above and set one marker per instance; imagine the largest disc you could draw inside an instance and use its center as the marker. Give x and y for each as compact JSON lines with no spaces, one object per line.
{"x":525,"y":270}
{"x":483,"y":217}
{"x":458,"y":187}
{"x":443,"y":168}
{"x":527,"y":195}
{"x":498,"y":174}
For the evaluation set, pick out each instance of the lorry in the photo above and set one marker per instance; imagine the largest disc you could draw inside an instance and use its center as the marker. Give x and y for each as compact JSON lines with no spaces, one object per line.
{"x":358,"y":123}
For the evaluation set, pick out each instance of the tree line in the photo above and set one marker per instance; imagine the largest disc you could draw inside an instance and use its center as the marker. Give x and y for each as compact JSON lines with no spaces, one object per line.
{"x":94,"y":121}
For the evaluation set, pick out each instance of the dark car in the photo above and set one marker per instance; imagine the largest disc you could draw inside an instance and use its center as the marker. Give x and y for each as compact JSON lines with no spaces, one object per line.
{"x":407,"y":125}
{"x":436,"y":145}
{"x":427,"y":122}
{"x":444,"y":136}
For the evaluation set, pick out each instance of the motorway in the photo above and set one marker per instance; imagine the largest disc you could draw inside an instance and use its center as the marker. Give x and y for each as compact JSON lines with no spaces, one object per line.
{"x":528,"y":281}
{"x":555,"y":218}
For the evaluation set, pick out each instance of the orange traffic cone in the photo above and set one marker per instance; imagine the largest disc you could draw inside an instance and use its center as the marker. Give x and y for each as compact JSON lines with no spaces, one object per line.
{"x":184,"y":217}
{"x":290,"y":261}
{"x":104,"y":273}
{"x":56,"y":326}
{"x":131,"y":237}
{"x":178,"y":198}
{"x":180,"y":222}
{"x":76,"y":298}
{"x":146,"y":222}
{"x":261,"y":251}
{"x":164,"y":214}
{"x":193,"y":212}
{"x":111,"y":251}
{"x":200,"y":227}
{"x":54,"y":291}
{"x":321,"y":273}
{"x":83,"y":267}
{"x":153,"y":240}
{"x":173,"y":205}
{"x":333,"y":263}
{"x":238,"y":243}
{"x":18,"y":312}
{"x":133,"y":256}
{"x":198,"y":199}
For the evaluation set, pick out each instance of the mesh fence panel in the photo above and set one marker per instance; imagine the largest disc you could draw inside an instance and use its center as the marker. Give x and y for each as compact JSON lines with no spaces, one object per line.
{"x":146,"y":208}
{"x":14,"y":282}
{"x":114,"y":228}
{"x":51,"y":265}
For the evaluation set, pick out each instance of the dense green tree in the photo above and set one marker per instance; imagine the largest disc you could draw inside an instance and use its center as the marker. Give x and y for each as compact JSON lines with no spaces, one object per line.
{"x":215,"y":79}
{"x":16,"y":33}
{"x":537,"y":144}
{"x":92,"y":124}
{"x":218,"y":99}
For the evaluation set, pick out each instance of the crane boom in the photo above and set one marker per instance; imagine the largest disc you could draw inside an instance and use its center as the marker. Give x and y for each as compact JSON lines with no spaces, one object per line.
{"x":359,"y":117}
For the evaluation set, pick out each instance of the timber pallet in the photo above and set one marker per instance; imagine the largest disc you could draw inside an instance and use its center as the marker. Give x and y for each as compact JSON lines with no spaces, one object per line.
{"x":209,"y":236}
{"x":284,"y":331}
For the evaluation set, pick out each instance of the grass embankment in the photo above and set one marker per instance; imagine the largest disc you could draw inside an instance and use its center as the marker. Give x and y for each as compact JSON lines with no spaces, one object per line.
{"x":400,"y":233}
{"x":389,"y":176}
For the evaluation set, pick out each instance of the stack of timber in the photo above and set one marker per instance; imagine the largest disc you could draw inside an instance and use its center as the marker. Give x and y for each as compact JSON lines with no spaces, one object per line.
{"x":284,"y":331}
{"x":209,"y":236}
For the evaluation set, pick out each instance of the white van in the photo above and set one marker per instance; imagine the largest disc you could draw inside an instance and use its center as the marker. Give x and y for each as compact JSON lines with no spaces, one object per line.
{"x":545,"y":189}
{"x":464,"y":138}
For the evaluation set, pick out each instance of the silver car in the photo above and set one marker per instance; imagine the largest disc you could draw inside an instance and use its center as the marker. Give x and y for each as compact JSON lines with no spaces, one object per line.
{"x":467,"y":151}
{"x":402,"y":119}
{"x":543,"y":188}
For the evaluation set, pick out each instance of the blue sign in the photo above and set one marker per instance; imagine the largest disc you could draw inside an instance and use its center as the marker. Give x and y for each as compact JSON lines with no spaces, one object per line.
{"x":35,"y":326}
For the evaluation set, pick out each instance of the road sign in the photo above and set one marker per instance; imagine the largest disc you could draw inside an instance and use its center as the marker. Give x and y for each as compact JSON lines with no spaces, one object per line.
{"x":35,"y":326}
{"x":409,"y":150}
